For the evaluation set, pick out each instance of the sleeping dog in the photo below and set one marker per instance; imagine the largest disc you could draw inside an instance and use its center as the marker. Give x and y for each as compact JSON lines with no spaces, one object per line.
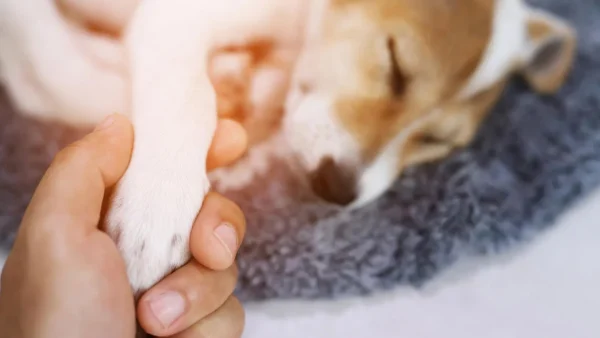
{"x":369,"y":87}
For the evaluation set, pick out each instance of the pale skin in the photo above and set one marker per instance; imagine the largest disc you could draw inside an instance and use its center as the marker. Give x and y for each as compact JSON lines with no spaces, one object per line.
{"x":65,"y":277}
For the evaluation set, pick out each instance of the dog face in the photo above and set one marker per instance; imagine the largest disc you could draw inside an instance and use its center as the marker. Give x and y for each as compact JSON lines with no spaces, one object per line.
{"x":383,"y":84}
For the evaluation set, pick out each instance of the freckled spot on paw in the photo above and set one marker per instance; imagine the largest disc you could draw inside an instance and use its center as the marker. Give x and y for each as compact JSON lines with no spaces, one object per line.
{"x":176,"y":241}
{"x":140,"y":250}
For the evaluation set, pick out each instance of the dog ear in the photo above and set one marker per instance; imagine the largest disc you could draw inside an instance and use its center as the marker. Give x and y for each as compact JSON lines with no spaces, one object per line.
{"x":549,"y":51}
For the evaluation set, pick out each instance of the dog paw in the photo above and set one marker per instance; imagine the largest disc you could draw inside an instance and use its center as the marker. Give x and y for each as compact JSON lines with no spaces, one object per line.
{"x":150,"y":218}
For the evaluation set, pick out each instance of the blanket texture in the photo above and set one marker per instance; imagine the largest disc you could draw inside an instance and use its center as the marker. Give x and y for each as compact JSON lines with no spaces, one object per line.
{"x":533,"y":157}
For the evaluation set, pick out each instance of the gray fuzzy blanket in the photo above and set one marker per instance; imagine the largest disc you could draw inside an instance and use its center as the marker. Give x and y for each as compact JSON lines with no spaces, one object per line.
{"x":533,"y":158}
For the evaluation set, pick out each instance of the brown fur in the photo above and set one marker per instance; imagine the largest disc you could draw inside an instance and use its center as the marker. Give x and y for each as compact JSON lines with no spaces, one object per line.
{"x":537,"y":30}
{"x":438,"y":44}
{"x":455,"y":128}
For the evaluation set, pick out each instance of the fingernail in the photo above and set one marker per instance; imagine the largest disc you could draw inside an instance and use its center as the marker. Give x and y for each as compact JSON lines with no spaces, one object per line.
{"x":107,"y":122}
{"x":226,"y":234}
{"x":167,"y":307}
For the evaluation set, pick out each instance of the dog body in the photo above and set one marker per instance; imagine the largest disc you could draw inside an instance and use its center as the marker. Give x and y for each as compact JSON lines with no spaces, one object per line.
{"x":368,"y":86}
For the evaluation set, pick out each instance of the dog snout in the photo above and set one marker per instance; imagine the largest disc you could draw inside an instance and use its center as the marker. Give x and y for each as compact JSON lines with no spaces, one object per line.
{"x":334,"y":183}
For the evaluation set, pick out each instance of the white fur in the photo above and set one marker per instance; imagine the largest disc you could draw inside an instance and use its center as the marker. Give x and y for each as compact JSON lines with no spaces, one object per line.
{"x":313,"y":133}
{"x":310,"y":124}
{"x":47,"y":70}
{"x":509,"y":38}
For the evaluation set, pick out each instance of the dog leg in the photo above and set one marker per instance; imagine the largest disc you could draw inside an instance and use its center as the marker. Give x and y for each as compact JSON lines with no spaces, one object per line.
{"x":174,"y":114}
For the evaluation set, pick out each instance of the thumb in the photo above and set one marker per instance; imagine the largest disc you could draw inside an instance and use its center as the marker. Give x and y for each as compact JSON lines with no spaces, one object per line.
{"x":73,"y":187}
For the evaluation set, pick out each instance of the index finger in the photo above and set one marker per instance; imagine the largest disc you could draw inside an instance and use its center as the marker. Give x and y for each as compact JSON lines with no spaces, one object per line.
{"x":73,"y":187}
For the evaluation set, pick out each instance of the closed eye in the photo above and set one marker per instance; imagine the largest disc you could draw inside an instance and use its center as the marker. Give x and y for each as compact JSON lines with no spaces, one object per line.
{"x":397,"y":79}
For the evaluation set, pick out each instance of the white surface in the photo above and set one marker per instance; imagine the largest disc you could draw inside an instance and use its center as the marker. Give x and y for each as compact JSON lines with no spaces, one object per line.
{"x":549,"y":289}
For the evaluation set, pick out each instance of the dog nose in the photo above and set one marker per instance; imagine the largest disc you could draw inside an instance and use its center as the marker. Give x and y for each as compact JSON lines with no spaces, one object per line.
{"x":333,"y":182}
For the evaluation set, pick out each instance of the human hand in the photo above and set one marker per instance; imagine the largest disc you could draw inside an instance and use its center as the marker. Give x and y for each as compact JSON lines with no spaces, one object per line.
{"x":65,"y":278}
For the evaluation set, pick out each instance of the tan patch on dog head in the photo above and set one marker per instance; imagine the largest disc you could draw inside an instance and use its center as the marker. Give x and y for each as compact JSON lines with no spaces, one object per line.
{"x":455,"y":127}
{"x":407,"y":57}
